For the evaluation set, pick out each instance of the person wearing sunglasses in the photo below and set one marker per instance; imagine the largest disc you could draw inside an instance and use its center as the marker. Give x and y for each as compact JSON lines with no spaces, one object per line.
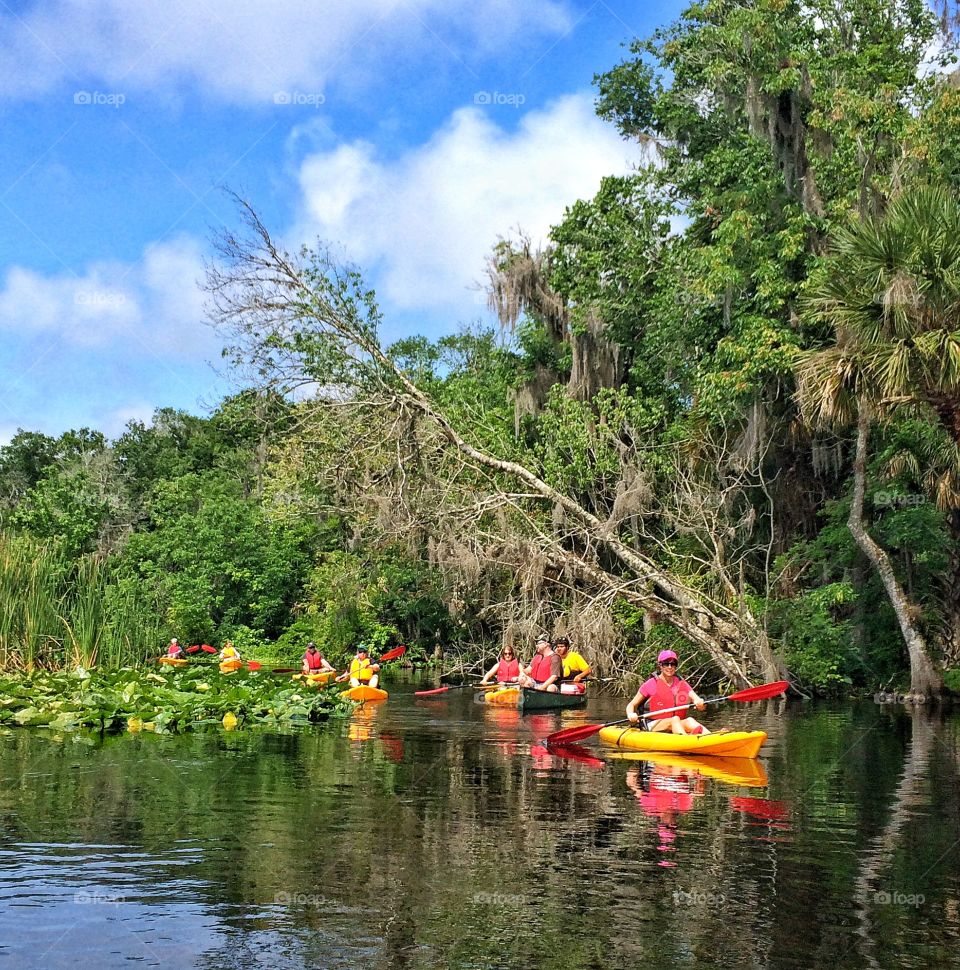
{"x":506,"y":669}
{"x":664,"y":691}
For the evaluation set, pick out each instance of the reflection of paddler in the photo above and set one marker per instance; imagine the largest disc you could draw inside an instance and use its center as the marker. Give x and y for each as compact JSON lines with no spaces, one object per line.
{"x":362,"y":670}
{"x":361,"y":723}
{"x":664,"y":794}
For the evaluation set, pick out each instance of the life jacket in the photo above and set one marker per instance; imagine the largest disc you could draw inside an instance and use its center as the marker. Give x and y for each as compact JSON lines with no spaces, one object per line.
{"x":314,"y":661}
{"x":361,"y":669}
{"x":175,"y":651}
{"x":665,"y":697}
{"x":229,"y":653}
{"x":508,"y":670}
{"x":540,"y":672}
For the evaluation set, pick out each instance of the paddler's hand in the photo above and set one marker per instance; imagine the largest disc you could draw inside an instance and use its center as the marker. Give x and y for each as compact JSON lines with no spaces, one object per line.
{"x":633,"y":718}
{"x":701,"y":706}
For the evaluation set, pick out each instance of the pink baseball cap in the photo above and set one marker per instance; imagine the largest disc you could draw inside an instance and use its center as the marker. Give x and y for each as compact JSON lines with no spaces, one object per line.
{"x":665,"y":655}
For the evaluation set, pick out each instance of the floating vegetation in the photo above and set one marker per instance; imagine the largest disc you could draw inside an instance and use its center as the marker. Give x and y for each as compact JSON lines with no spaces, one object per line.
{"x":167,"y":700}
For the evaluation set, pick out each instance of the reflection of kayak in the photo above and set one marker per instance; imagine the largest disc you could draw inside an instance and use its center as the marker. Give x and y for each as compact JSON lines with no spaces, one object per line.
{"x":365,"y":693}
{"x":748,"y":772}
{"x":227,"y":666}
{"x":528,"y":699}
{"x":733,"y":744}
{"x":174,"y":661}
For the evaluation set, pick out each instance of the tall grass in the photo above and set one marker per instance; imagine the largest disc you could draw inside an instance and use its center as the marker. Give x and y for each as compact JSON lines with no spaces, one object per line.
{"x":55,"y":612}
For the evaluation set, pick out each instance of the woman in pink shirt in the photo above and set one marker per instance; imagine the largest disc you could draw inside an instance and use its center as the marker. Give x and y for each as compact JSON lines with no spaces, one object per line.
{"x":667,"y":690}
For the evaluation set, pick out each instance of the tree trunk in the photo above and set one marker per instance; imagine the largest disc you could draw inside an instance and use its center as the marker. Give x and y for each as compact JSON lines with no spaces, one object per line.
{"x":924,"y":678}
{"x":951,"y":597}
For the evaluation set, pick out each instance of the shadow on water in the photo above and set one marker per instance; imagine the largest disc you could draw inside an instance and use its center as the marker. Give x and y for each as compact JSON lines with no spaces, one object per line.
{"x":437,"y":833}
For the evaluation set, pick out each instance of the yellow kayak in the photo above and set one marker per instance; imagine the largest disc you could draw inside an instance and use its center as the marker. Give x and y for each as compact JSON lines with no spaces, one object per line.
{"x":365,"y":693}
{"x":732,"y":744}
{"x":228,"y":666}
{"x":324,"y":677}
{"x":174,"y":661}
{"x":748,"y":772}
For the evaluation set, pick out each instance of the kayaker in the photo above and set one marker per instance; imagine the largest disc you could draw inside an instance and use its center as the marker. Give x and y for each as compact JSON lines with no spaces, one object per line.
{"x":314,"y":662}
{"x":229,"y":652}
{"x":575,"y":667}
{"x":175,"y":650}
{"x":506,"y":669}
{"x":546,"y":669}
{"x":664,"y":691}
{"x":362,"y":670}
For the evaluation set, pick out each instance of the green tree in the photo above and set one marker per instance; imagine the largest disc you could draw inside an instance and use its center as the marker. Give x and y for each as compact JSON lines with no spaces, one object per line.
{"x":891,"y":292}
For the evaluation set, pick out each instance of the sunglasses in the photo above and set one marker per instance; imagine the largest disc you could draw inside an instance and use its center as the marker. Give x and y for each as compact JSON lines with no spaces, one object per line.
{"x":669,"y":663}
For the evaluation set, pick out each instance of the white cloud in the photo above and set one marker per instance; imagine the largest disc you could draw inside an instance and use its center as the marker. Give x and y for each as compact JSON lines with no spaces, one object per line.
{"x":114,"y":423}
{"x":152,"y":307}
{"x":424,"y":222}
{"x":240,"y":50}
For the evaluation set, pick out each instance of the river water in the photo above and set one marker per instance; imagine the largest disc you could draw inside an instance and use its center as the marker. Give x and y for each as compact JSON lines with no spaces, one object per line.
{"x":437,"y":833}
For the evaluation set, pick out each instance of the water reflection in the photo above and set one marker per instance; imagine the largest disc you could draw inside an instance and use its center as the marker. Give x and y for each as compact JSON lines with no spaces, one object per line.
{"x":445,"y":835}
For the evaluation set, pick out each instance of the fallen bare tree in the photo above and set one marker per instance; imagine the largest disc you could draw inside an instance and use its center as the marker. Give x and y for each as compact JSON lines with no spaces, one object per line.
{"x":303,"y":322}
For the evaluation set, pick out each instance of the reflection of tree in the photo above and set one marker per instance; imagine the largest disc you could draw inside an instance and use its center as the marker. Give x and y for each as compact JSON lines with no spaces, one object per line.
{"x":877,"y":858}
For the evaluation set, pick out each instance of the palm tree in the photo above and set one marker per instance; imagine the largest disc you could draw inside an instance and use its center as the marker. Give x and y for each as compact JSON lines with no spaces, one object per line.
{"x":890,"y":292}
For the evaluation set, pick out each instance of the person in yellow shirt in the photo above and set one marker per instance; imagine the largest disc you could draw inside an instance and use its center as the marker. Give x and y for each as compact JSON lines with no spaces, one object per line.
{"x":362,"y":670}
{"x":229,"y":652}
{"x":575,"y":668}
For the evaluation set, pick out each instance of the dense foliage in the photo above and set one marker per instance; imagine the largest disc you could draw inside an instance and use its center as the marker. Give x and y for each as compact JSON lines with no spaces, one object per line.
{"x":630,"y":460}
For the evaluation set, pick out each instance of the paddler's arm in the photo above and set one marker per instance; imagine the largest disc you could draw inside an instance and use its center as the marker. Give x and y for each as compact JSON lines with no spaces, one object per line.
{"x":490,"y":673}
{"x":698,"y":702}
{"x":638,"y":700}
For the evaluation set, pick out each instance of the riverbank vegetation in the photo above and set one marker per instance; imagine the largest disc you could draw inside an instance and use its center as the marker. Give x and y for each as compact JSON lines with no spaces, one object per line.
{"x":720,"y":414}
{"x":165,"y":701}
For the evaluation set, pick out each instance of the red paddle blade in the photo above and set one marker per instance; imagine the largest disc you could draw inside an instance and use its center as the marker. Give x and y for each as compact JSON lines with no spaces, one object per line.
{"x":254,"y":665}
{"x":192,"y":649}
{"x":206,"y":648}
{"x":393,"y":654}
{"x":428,"y":693}
{"x":760,"y":693}
{"x":573,"y":734}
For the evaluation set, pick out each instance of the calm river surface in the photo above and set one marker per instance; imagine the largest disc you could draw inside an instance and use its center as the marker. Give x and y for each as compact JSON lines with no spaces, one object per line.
{"x":436,"y":833}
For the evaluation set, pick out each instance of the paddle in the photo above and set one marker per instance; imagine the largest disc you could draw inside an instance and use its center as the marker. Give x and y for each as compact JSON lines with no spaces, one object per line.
{"x":446,"y":687}
{"x":392,"y":654}
{"x":749,"y":694}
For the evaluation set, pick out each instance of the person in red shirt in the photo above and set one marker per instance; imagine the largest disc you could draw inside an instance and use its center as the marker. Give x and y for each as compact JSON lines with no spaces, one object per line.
{"x":314,"y":662}
{"x":506,"y":669}
{"x":546,"y":669}
{"x":667,"y":690}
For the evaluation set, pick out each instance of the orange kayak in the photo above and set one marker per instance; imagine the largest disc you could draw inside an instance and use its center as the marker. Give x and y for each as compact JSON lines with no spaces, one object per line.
{"x":174,"y":661}
{"x":365,"y":693}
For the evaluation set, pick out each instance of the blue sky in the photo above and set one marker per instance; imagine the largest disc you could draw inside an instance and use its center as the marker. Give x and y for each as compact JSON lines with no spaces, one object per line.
{"x":410,"y":134}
